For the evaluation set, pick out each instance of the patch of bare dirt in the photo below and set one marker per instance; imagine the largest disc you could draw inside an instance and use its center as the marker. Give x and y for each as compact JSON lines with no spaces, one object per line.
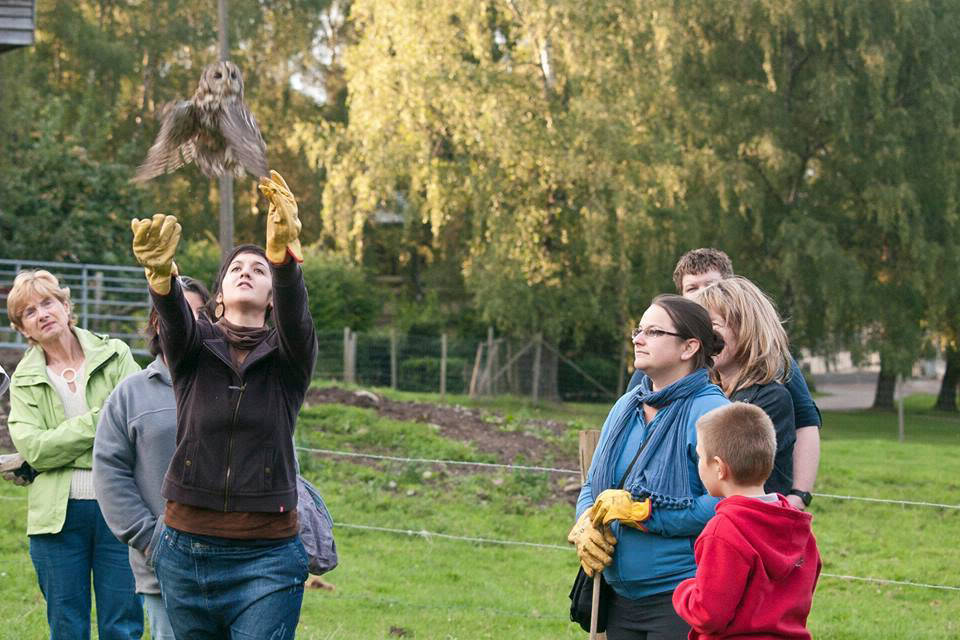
{"x":488,"y":432}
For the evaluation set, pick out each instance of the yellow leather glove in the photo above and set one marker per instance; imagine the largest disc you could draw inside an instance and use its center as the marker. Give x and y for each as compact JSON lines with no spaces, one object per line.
{"x":594,"y":544}
{"x":283,"y":224}
{"x":618,"y":504}
{"x":155,"y":241}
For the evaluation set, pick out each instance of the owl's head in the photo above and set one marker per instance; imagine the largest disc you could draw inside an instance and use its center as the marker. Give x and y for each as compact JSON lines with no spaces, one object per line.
{"x":222,"y":79}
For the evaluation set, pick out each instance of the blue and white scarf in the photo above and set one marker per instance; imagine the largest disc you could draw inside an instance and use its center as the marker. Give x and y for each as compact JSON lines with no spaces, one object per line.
{"x":661,"y":472}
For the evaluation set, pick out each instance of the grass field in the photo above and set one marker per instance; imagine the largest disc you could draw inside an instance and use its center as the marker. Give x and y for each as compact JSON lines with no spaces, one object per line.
{"x":391,"y":585}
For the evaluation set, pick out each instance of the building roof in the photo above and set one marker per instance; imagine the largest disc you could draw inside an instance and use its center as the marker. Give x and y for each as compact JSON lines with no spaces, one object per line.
{"x":17,"y":23}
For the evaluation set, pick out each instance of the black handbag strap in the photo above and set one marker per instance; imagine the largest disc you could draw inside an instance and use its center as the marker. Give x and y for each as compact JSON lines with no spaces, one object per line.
{"x":634,"y":461}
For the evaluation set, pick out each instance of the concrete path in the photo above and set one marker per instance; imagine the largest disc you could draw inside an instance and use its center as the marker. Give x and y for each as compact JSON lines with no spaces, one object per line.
{"x":845,"y":392}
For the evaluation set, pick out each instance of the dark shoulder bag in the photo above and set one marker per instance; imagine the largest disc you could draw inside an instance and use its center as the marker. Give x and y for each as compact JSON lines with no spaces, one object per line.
{"x":581,"y":595}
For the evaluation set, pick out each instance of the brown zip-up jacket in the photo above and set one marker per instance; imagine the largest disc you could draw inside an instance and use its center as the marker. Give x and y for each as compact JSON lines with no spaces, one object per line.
{"x":235,"y":424}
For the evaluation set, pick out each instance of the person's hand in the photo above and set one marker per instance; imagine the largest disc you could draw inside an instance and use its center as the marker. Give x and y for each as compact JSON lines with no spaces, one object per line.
{"x":594,"y":544}
{"x":617,"y":504}
{"x":283,"y":224}
{"x":154,"y":243}
{"x":10,"y":476}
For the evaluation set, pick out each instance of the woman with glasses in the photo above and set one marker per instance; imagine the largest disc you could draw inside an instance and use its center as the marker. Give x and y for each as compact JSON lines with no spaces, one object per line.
{"x":643,"y":504}
{"x":56,"y":395}
{"x":754,"y":364}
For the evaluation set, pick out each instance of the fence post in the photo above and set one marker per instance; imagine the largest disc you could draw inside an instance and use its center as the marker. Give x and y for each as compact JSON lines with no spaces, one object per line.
{"x":393,"y":358}
{"x":536,"y":368}
{"x":443,"y":364}
{"x":476,"y":371}
{"x":85,"y":318}
{"x":899,"y":393}
{"x":488,"y":374}
{"x":348,"y":373}
{"x":588,"y":444}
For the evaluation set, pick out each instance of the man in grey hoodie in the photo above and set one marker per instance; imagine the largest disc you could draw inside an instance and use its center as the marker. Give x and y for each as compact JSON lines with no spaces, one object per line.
{"x":135,"y":440}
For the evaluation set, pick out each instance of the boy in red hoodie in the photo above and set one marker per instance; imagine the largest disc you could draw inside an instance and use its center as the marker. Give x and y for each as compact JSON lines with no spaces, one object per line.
{"x":757,"y":559}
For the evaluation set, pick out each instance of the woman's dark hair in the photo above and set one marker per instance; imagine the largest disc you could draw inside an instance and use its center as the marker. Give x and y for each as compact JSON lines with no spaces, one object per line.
{"x":187,"y":284}
{"x":243,"y":248}
{"x":692,"y":321}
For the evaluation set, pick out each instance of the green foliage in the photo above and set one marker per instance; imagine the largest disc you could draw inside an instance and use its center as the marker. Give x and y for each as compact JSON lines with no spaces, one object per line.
{"x":341,"y":295}
{"x":199,"y":259}
{"x":423,"y":374}
{"x":56,"y":201}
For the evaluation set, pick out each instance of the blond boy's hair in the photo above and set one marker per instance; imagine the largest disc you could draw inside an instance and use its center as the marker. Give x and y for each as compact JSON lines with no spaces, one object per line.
{"x":31,"y":284}
{"x":742,"y":436}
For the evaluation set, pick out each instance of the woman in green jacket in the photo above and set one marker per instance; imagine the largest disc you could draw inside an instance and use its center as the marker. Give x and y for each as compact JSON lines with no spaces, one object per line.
{"x":55,"y":397}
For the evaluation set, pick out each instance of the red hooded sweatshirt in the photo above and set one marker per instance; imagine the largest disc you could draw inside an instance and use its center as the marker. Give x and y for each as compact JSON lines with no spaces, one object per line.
{"x":757,"y":566}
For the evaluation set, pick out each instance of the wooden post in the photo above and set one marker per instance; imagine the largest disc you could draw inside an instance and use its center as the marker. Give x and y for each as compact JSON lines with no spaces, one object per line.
{"x":393,"y":358}
{"x":348,"y":374}
{"x":488,"y":371}
{"x":899,"y":392}
{"x":536,"y":368}
{"x":588,"y":444}
{"x":353,"y":356}
{"x":443,"y":364}
{"x":476,"y":370}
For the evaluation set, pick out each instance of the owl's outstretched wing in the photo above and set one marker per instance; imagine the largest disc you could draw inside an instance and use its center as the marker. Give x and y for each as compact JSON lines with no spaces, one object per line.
{"x":174,"y":146}
{"x":240,"y":129}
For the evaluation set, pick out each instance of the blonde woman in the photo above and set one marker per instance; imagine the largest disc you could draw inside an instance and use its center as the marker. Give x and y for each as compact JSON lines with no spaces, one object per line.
{"x":754,"y":363}
{"x":56,"y":393}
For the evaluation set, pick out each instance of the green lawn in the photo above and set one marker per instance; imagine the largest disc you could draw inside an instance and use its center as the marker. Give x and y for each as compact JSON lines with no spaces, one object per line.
{"x":391,"y":585}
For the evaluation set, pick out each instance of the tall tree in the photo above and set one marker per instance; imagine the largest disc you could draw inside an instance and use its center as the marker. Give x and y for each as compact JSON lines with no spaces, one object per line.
{"x":821,"y":136}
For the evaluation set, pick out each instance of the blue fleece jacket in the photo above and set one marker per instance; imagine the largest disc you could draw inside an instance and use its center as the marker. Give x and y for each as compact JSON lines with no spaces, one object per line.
{"x":655,"y":562}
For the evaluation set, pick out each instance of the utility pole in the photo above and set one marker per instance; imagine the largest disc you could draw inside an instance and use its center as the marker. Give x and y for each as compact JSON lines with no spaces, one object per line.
{"x":226,"y":180}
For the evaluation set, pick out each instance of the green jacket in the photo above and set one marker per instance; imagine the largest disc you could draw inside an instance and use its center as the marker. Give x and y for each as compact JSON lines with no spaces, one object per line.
{"x":41,"y":433}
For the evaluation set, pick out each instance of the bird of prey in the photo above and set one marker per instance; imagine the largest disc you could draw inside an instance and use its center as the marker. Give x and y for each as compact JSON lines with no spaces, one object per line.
{"x":214,"y":128}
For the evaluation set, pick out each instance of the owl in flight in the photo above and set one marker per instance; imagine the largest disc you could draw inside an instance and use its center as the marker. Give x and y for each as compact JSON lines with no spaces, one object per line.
{"x":214,"y":129}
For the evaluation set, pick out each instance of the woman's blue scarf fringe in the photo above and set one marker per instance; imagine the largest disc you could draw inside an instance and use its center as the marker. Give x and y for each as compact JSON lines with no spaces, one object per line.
{"x":661,"y":471}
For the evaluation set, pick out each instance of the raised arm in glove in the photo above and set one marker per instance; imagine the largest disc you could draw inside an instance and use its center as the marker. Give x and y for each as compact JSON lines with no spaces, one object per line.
{"x":154,"y":243}
{"x":283,"y":223}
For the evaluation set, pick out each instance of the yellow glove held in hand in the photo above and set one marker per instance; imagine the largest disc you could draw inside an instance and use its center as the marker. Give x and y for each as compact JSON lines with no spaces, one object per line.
{"x":618,"y":504}
{"x":283,"y":224}
{"x":594,"y":544}
{"x":155,"y":241}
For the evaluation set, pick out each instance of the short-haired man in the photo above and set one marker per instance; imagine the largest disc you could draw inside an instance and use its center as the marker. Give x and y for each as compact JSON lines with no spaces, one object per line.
{"x":699,"y":268}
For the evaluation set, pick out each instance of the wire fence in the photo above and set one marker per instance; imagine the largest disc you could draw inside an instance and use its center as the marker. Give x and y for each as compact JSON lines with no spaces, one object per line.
{"x":106,"y":299}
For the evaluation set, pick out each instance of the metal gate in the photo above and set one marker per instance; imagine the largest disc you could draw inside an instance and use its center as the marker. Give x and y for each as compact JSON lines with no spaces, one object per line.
{"x":106,"y":299}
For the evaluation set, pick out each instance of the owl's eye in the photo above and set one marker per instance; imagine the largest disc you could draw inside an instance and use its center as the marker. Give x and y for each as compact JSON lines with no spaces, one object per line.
{"x":233,"y":74}
{"x":217,"y":75}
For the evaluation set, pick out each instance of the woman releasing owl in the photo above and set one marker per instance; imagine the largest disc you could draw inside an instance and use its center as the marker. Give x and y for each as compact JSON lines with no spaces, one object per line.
{"x":214,"y":129}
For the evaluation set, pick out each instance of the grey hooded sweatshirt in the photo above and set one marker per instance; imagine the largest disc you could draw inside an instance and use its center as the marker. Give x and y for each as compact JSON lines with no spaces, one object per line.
{"x":135,"y":440}
{"x":4,"y":381}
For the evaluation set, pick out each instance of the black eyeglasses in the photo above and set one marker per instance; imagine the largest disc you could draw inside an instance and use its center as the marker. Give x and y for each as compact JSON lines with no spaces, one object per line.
{"x":652,"y":333}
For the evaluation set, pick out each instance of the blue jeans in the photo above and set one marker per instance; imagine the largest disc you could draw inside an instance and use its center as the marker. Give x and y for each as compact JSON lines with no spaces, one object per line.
{"x":217,"y":588}
{"x":160,"y":628}
{"x":64,"y":561}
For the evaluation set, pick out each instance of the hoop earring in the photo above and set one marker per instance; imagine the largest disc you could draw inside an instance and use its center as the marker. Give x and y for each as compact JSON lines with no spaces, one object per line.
{"x":218,"y":311}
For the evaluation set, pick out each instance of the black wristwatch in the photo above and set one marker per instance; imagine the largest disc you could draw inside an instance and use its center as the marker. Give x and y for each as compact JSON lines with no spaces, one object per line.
{"x":805,"y":496}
